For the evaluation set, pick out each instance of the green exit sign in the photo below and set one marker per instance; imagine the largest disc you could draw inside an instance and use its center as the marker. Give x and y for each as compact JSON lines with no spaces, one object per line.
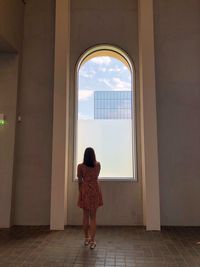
{"x":2,"y":120}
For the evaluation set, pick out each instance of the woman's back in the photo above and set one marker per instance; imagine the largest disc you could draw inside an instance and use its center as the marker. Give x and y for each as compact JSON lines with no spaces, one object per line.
{"x":88,"y":174}
{"x":90,"y":196}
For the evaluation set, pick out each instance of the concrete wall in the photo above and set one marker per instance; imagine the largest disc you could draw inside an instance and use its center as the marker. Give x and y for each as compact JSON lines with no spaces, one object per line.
{"x":115,"y":23}
{"x":11,"y":24}
{"x":34,"y":133}
{"x":177,"y":41}
{"x":8,"y":102}
{"x":11,"y":31}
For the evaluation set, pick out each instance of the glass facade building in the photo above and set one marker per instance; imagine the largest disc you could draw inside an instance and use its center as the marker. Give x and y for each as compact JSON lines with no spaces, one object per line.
{"x":112,"y":105}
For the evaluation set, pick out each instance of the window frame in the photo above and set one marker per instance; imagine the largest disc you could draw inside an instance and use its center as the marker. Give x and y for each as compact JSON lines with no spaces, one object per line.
{"x":131,"y":65}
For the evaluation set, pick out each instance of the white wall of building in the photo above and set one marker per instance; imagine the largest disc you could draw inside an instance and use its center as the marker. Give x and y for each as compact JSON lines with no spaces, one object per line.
{"x":112,"y":141}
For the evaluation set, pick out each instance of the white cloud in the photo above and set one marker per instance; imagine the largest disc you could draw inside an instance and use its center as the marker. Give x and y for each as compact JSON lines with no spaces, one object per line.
{"x":101,"y":60}
{"x":87,"y":73}
{"x":84,"y":95}
{"x":114,"y":69}
{"x":116,"y":84}
{"x":103,"y":69}
{"x":107,"y":82}
{"x":120,"y":85}
{"x":125,"y":68}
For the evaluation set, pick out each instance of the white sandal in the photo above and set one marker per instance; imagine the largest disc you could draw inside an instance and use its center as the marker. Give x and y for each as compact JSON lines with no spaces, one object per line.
{"x":92,"y":244}
{"x":87,"y":241}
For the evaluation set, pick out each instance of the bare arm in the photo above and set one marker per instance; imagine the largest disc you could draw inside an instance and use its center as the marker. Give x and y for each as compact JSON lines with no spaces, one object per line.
{"x":79,"y":175}
{"x":99,"y":168}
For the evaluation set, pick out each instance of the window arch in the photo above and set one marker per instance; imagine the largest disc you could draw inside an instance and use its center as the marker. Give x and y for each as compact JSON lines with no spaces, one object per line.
{"x":105,"y":111}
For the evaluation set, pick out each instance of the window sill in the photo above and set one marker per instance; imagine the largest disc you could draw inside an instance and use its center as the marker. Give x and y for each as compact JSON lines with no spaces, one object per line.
{"x":114,"y":179}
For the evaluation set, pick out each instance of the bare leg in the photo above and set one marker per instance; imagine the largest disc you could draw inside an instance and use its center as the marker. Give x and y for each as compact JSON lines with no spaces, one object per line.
{"x":86,"y":225}
{"x":93,"y":224}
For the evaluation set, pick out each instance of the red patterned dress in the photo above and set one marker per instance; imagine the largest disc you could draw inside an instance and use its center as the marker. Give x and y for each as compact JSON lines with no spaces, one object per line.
{"x":90,"y":196}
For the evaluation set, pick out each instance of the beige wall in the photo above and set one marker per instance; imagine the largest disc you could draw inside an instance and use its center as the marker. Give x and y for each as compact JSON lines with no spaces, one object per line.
{"x":11,"y":23}
{"x":11,"y":30}
{"x":177,"y":40}
{"x":115,"y":23}
{"x":34,"y":133}
{"x":8,"y":93}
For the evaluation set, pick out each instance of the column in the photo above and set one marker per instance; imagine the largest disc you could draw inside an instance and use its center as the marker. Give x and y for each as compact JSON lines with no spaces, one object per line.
{"x":150,"y":173}
{"x":60,"y":117}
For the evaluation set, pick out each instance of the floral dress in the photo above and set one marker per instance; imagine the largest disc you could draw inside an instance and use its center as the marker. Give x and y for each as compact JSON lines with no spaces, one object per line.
{"x":90,"y":196}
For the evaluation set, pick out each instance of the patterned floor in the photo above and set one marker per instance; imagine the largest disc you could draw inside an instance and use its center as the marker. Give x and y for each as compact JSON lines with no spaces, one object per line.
{"x":116,"y":246}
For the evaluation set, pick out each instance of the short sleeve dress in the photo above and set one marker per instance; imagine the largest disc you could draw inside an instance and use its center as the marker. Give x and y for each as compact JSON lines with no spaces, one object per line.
{"x":90,"y":196}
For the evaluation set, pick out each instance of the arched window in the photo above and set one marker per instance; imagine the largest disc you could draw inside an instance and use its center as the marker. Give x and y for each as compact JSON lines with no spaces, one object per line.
{"x":105,"y":111}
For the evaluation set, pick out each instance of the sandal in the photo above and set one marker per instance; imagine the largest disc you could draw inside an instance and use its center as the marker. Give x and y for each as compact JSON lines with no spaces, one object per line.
{"x":87,"y":241}
{"x":92,"y":244}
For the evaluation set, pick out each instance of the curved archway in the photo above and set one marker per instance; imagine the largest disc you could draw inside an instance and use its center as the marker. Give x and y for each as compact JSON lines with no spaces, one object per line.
{"x":106,"y":50}
{"x":105,"y":110}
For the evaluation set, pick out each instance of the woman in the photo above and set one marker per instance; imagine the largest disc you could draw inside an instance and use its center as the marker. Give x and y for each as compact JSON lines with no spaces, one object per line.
{"x":90,"y":197}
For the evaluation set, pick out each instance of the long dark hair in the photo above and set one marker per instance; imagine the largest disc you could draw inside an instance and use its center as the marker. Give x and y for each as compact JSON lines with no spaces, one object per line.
{"x":89,"y":157}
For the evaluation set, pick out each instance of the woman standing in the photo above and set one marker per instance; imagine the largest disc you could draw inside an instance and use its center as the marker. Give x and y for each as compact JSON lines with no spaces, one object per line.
{"x":90,"y":197}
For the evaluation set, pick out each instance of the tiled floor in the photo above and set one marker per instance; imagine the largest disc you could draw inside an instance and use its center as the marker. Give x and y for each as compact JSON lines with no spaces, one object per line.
{"x":116,"y":246}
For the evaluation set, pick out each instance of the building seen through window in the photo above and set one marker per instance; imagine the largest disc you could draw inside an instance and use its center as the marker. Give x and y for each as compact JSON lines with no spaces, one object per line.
{"x":112,"y":105}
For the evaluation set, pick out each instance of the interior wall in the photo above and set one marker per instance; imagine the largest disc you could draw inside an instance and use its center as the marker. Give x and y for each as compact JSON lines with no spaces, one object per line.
{"x":34,"y":132}
{"x":115,"y":23}
{"x":11,"y":31}
{"x":11,"y":23}
{"x":8,"y":102}
{"x":177,"y":42}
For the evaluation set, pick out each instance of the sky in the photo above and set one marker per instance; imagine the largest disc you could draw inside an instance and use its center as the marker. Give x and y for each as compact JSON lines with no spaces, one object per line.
{"x":100,"y":74}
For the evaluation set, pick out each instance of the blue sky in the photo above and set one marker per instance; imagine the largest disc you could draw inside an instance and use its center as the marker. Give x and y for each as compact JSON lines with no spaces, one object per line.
{"x":100,"y":74}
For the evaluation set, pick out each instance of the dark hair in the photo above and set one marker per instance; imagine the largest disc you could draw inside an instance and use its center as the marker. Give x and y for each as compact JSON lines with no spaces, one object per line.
{"x":89,"y":157}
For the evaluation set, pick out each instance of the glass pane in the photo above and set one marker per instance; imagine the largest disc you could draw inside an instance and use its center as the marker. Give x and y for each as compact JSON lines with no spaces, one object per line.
{"x":105,"y":115}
